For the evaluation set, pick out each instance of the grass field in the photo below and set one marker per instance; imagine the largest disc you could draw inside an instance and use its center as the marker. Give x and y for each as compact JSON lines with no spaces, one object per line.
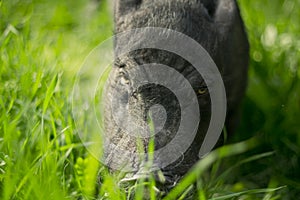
{"x":42,"y":46}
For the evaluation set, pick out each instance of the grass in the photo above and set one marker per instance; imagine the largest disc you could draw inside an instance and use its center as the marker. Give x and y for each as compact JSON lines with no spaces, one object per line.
{"x":43,"y":44}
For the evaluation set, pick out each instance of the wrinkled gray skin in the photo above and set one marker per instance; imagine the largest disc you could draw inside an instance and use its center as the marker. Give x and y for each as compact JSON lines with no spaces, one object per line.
{"x":218,"y":27}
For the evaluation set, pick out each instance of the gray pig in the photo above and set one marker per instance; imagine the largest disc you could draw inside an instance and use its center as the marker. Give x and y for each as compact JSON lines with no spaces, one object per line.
{"x":218,"y":27}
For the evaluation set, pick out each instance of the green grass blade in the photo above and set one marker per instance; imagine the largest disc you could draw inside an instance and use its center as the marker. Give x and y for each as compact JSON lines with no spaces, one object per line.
{"x":202,"y":165}
{"x":49,"y":93}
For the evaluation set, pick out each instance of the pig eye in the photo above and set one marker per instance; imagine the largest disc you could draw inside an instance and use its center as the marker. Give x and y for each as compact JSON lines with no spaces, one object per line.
{"x":202,"y":91}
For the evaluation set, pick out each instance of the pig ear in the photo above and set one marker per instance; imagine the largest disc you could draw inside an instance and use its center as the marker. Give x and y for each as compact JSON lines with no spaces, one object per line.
{"x":230,"y":24}
{"x":233,"y":51}
{"x":226,"y":11}
{"x":123,"y":7}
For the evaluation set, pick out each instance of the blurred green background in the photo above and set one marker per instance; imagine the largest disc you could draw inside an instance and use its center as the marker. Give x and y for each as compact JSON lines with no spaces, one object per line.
{"x":42,"y":45}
